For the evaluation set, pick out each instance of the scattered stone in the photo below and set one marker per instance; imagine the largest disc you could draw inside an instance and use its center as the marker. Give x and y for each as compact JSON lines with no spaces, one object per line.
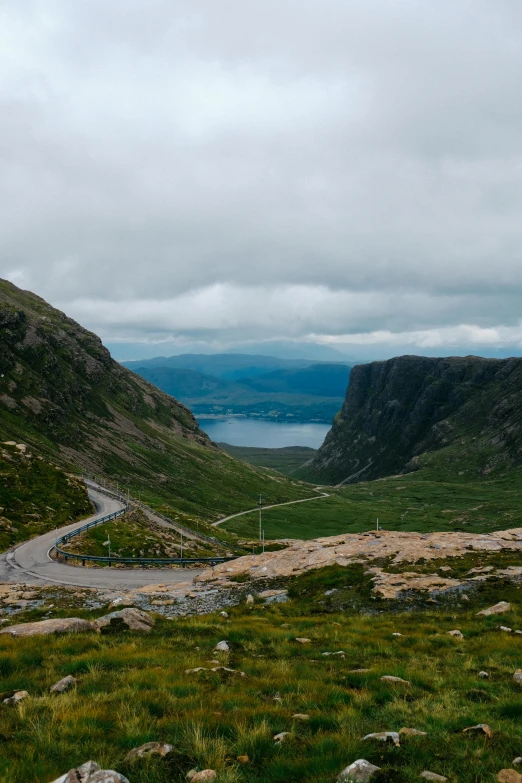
{"x":44,"y":627}
{"x":339,"y":653}
{"x":509,"y":776}
{"x":303,"y":640}
{"x":15,"y":698}
{"x":281,"y":736}
{"x":483,"y":675}
{"x":456,"y":634}
{"x":358,"y":671}
{"x":517,"y":762}
{"x":406,"y":732}
{"x":149,"y":749}
{"x":464,"y":597}
{"x":249,"y":600}
{"x":126,"y":619}
{"x":518,"y":632}
{"x":205,"y":776}
{"x":396,"y":634}
{"x":274,"y":596}
{"x":224,"y":614}
{"x":222,"y":646}
{"x":432,"y":776}
{"x":301,"y":716}
{"x":243,"y":759}
{"x":517,"y":677}
{"x":385,"y":736}
{"x":196,"y":670}
{"x":190,"y":774}
{"x":361,"y":771}
{"x":63,"y":685}
{"x":482,"y":728}
{"x":90,"y":772}
{"x":499,"y":608}
{"x":391,"y":678}
{"x":505,"y":629}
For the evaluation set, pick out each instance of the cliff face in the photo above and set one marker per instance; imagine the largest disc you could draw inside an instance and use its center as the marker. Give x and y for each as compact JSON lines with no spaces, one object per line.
{"x":398,"y":410}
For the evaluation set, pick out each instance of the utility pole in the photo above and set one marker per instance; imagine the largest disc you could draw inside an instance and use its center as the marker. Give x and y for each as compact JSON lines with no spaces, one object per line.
{"x":263,"y":542}
{"x":181,"y":545}
{"x":260,"y":503}
{"x":377,"y":524}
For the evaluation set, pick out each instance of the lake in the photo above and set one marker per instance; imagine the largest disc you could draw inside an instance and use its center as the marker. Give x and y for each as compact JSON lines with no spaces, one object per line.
{"x":263,"y":434}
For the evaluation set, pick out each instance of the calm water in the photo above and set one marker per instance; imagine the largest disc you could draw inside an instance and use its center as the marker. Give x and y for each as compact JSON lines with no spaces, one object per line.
{"x":263,"y":434}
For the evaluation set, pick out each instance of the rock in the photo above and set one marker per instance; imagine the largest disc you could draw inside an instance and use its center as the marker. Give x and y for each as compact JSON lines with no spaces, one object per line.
{"x":44,"y":627}
{"x":281,"y":736}
{"x":517,"y":677}
{"x":517,"y":762}
{"x":432,"y":776}
{"x":391,"y":678}
{"x":339,"y":653}
{"x":464,"y":597}
{"x":149,"y":749}
{"x":63,"y":685}
{"x":126,"y":619}
{"x":303,"y":640}
{"x":518,"y":632}
{"x":15,"y":698}
{"x":205,"y":776}
{"x":300,"y":716}
{"x":222,"y":646}
{"x":249,"y":600}
{"x":483,"y":728}
{"x":196,"y":670}
{"x":456,"y":634}
{"x":509,"y":776}
{"x":224,"y":614}
{"x":361,"y":771}
{"x":358,"y":671}
{"x":243,"y":759}
{"x":190,"y":774}
{"x":91,"y":773}
{"x":505,"y":629}
{"x":385,"y":736}
{"x":274,"y":596}
{"x":396,"y":634}
{"x":483,"y":675}
{"x":406,"y":732}
{"x":499,"y":608}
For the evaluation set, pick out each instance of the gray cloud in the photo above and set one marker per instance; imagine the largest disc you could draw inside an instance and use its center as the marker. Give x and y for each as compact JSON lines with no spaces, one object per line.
{"x":339,"y":171}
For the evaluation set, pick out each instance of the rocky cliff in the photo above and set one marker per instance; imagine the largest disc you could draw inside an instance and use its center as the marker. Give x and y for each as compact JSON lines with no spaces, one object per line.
{"x":63,"y":394}
{"x":398,"y":412}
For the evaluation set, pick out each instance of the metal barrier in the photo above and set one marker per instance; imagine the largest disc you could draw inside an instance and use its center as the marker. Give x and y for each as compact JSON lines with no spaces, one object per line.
{"x":143,"y":561}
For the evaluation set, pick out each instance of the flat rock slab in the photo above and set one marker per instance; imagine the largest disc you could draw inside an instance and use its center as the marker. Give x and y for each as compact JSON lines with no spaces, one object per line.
{"x":127,"y":619}
{"x":45,"y":627}
{"x":499,"y":608}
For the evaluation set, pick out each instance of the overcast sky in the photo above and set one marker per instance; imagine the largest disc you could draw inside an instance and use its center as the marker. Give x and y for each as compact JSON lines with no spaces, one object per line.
{"x":207,"y":172}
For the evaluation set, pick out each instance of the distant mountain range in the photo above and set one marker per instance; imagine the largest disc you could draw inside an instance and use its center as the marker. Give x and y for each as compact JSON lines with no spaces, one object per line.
{"x":254,"y":386}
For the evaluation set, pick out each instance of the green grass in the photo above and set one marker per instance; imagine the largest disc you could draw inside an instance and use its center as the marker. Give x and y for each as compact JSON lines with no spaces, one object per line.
{"x":36,"y":496}
{"x":285,"y":460}
{"x":133,"y":688}
{"x":409,"y":502}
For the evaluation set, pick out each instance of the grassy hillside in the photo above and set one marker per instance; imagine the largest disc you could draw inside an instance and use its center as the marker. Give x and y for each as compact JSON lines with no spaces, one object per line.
{"x":35,"y":496}
{"x":286,"y":460}
{"x":134,"y":689}
{"x":227,"y":366}
{"x":61,"y":393}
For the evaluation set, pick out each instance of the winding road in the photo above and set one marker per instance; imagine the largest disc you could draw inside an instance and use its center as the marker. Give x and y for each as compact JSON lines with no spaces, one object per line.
{"x":31,"y":562}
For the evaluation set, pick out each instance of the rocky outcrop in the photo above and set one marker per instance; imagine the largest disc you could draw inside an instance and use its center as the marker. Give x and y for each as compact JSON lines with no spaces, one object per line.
{"x":397,"y":410}
{"x":45,"y":627}
{"x":126,"y":619}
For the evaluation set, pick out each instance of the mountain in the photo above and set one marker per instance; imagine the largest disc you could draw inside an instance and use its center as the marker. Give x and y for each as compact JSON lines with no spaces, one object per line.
{"x":221,"y":365}
{"x":306,"y":394}
{"x":63,"y":395}
{"x":457,"y":416}
{"x":321,"y":380}
{"x":293,"y":349}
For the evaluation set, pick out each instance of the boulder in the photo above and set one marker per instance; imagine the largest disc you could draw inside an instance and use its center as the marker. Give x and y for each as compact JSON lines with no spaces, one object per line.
{"x":63,"y":685}
{"x":303,"y":640}
{"x":91,"y":773}
{"x":517,"y":677}
{"x":509,"y":776}
{"x":481,"y":728}
{"x":222,"y":646}
{"x":300,"y":716}
{"x":483,"y":675}
{"x":456,"y":634}
{"x":385,"y":736}
{"x":249,"y":600}
{"x":505,"y":629}
{"x":45,"y":627}
{"x":499,"y":608}
{"x":392,"y":679}
{"x":406,"y":732}
{"x":281,"y":736}
{"x":15,"y":698}
{"x":205,"y":776}
{"x":361,"y":771}
{"x":243,"y":759}
{"x":432,"y":776}
{"x":517,"y":762}
{"x":126,"y":619}
{"x":149,"y":749}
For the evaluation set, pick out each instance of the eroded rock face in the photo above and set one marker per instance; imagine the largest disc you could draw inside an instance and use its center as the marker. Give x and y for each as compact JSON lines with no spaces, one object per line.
{"x":44,"y":627}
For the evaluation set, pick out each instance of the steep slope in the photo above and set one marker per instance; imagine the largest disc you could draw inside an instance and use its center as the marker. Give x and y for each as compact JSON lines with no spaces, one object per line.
{"x":463,"y":415}
{"x":62,"y":393}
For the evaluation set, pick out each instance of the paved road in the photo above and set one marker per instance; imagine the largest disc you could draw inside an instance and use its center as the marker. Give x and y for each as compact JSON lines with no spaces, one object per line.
{"x":30,"y":562}
{"x":267,"y":508}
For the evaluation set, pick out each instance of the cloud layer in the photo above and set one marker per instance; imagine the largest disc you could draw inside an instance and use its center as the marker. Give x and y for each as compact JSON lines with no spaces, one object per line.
{"x":338,"y":171}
